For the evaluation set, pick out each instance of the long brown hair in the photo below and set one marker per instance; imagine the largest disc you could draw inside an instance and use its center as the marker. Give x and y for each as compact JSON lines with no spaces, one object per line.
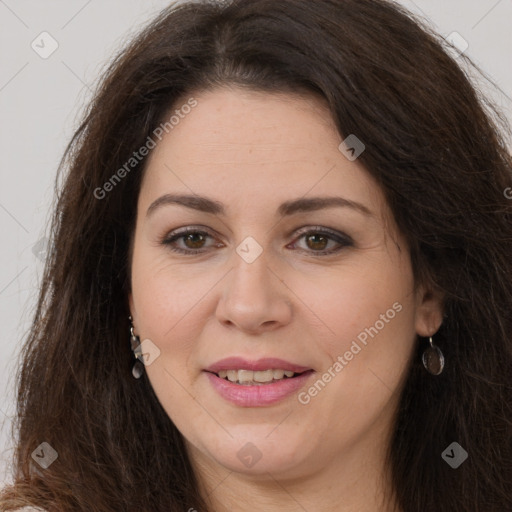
{"x":435,"y":147}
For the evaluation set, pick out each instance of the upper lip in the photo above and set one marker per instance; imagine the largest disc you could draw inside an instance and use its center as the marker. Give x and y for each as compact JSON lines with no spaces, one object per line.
{"x":266,"y":363}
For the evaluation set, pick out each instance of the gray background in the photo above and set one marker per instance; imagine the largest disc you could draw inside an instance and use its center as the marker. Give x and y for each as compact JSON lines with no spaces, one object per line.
{"x":40,"y":105}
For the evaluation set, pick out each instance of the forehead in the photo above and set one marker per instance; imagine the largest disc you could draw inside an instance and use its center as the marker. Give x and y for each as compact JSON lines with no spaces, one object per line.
{"x":228,"y":120}
{"x":237,"y":143}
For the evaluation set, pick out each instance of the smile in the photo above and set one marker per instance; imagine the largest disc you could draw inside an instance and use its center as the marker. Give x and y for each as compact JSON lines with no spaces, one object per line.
{"x":250,"y":393}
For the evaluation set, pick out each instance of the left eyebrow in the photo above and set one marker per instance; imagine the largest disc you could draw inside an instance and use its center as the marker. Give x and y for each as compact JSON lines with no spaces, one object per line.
{"x":317,"y":203}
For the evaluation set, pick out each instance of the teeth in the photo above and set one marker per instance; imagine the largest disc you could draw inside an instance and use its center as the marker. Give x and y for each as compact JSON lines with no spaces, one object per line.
{"x":250,"y":377}
{"x":264,"y":376}
{"x":245,"y":376}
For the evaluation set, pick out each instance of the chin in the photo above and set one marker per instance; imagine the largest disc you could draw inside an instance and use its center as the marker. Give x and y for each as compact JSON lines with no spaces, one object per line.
{"x":257,"y":455}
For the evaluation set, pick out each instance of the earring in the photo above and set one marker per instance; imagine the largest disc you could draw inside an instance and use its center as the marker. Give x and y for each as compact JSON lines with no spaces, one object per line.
{"x":138,"y":367}
{"x":433,"y":359}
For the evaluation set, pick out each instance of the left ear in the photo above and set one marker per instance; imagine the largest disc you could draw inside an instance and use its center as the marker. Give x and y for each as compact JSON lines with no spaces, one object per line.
{"x":429,"y":311}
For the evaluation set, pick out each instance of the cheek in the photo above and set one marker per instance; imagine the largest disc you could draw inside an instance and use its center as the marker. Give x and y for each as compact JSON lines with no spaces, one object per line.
{"x":366,"y":348}
{"x":368,"y":311}
{"x":164,"y":294}
{"x":168,"y":306}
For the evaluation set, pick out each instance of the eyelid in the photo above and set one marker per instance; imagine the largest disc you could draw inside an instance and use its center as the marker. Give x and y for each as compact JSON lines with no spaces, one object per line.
{"x":323,"y":230}
{"x":342,"y":239}
{"x":194,"y":228}
{"x":177,"y":233}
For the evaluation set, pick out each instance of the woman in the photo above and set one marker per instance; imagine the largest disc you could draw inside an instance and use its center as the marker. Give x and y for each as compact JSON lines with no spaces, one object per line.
{"x":294,"y":216}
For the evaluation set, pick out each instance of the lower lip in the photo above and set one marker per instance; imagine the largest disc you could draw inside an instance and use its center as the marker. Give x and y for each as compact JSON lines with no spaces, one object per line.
{"x":258,"y":396}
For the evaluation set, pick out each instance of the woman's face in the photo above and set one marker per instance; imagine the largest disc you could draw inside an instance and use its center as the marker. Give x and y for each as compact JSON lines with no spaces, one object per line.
{"x":293,"y":263}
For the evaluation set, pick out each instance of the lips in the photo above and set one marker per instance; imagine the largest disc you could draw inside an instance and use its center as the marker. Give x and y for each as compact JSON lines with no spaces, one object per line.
{"x":255,"y":394}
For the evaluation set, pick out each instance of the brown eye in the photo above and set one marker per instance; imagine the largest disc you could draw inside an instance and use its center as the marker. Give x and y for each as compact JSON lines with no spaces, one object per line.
{"x":188,"y":241}
{"x":193,"y":240}
{"x":317,"y":241}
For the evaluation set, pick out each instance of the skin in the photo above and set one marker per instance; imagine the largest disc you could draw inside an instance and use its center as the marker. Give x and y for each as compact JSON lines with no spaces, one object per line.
{"x":252,"y":151}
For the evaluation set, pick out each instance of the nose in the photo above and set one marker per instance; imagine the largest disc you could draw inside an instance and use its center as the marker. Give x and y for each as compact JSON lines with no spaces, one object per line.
{"x":255,"y":298}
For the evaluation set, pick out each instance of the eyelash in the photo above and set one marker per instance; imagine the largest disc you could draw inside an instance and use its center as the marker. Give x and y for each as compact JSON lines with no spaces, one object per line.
{"x":340,"y":238}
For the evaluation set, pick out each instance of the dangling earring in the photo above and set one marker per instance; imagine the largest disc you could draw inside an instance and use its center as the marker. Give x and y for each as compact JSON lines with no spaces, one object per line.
{"x":138,"y":367}
{"x":433,"y":359}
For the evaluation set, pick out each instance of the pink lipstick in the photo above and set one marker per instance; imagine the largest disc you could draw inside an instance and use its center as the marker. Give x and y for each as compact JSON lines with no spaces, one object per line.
{"x":256,"y":383}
